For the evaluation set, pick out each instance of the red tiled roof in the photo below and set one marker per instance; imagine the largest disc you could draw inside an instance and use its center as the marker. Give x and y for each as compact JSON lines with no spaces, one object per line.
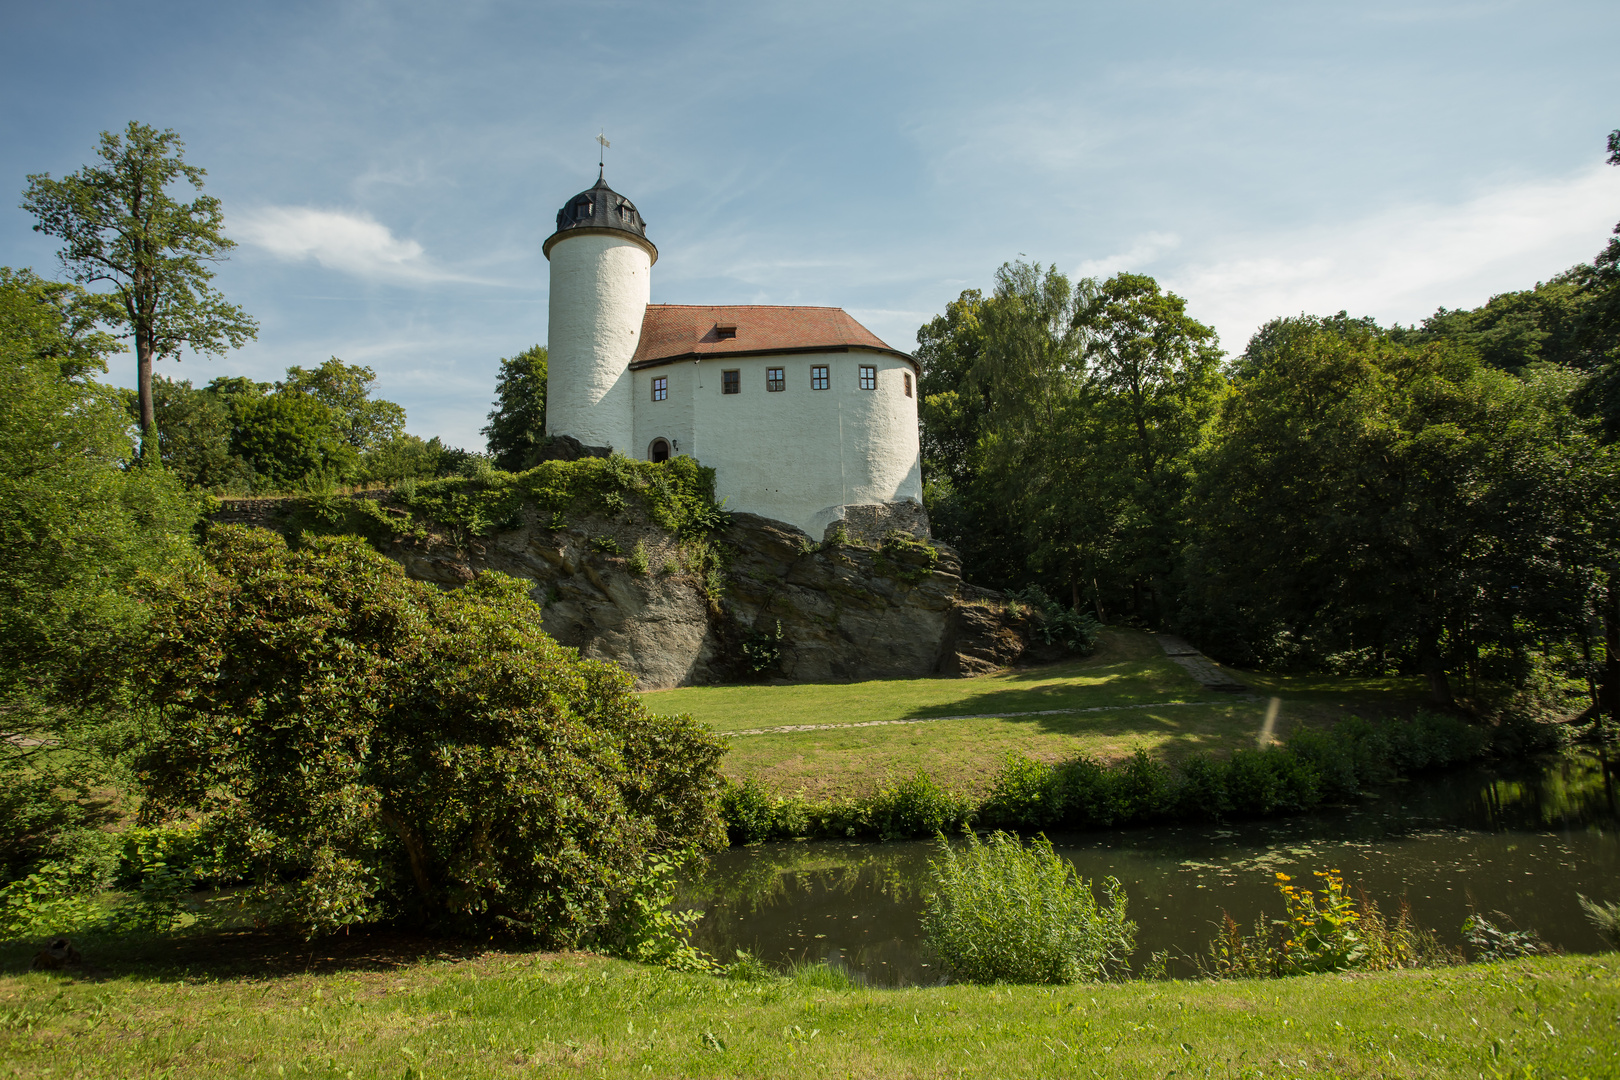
{"x":691,"y":331}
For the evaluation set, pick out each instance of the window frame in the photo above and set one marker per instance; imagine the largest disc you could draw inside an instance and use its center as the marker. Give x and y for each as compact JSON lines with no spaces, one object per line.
{"x":731,"y":381}
{"x":775,"y":380}
{"x":660,"y":388}
{"x":868,"y":377}
{"x":907,"y":376}
{"x":821,"y":373}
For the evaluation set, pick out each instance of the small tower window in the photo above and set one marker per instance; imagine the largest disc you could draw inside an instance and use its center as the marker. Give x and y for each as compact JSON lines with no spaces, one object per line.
{"x":775,"y":380}
{"x":731,"y":382}
{"x":868,"y":377}
{"x":907,"y":376}
{"x":661,"y":388}
{"x":818,"y":378}
{"x":659,"y":450}
{"x":724,"y":332}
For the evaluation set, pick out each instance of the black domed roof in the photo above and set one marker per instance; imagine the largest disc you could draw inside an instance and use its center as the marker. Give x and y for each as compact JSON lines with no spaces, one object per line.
{"x":599,"y":208}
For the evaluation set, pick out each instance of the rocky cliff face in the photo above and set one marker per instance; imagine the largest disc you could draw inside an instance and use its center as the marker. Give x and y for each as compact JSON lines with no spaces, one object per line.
{"x":760,"y":600}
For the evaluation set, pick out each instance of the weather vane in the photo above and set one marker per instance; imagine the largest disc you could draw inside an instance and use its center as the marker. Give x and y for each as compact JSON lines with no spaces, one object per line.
{"x":601,"y":137}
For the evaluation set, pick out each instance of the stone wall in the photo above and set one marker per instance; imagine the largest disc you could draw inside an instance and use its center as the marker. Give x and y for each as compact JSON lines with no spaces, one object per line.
{"x":850,"y":611}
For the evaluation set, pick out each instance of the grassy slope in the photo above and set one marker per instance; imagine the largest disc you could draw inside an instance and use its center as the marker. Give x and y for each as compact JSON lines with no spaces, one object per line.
{"x":1129,"y":669}
{"x":369,"y":1013}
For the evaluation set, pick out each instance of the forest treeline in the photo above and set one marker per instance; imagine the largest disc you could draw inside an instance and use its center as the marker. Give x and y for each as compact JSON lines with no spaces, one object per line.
{"x":1436,"y":498}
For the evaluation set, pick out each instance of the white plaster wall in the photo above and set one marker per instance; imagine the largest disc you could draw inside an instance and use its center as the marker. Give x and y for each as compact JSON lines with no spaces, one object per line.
{"x":798,"y":455}
{"x":600,"y":285}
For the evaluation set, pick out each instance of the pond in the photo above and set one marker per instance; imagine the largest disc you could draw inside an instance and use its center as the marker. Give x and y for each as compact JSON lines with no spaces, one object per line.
{"x":1522,"y":843}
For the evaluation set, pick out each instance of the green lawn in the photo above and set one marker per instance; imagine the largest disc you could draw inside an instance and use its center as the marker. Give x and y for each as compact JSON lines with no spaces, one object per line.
{"x":1129,"y":669}
{"x":249,"y":1006}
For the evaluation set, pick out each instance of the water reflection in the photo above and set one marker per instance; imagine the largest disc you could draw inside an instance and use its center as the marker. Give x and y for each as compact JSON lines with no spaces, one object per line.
{"x":1523,"y":843}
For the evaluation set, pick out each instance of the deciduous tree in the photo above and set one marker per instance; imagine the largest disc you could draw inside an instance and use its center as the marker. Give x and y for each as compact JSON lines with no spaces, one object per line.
{"x":517,"y":424}
{"x":121,"y":227}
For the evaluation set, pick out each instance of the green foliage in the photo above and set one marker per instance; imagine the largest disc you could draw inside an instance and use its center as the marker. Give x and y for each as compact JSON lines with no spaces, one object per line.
{"x":1321,"y":933}
{"x":290,"y":440}
{"x":120,"y":226}
{"x":364,"y":748}
{"x":517,"y":424}
{"x":1068,"y":415}
{"x":1604,"y":916}
{"x":52,"y":322}
{"x":79,"y":529}
{"x":677,"y":495}
{"x":1072,"y":627}
{"x":1492,"y":942}
{"x":762,"y":649}
{"x":1312,"y":769}
{"x":47,"y":901}
{"x":604,"y":545}
{"x":1361,"y":493}
{"x":648,"y":929}
{"x":194,"y":431}
{"x":916,"y":806}
{"x":1004,"y":911}
{"x":361,"y":421}
{"x":637,"y":562}
{"x":905,"y":557}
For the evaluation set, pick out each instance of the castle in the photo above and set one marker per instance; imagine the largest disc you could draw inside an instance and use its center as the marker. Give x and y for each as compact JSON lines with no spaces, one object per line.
{"x":803,"y":413}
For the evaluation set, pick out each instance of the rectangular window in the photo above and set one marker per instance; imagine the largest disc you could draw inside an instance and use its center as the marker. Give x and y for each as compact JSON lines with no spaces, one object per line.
{"x":818,"y":378}
{"x":775,"y":380}
{"x":731,"y":382}
{"x":868,"y":377}
{"x":661,"y":388}
{"x":908,"y":383}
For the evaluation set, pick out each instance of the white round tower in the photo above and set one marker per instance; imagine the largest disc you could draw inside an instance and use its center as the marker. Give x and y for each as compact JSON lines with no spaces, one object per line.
{"x":601,"y":279}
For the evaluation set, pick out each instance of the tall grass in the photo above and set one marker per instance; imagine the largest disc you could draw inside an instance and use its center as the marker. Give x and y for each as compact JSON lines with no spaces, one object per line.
{"x":1005,"y":911}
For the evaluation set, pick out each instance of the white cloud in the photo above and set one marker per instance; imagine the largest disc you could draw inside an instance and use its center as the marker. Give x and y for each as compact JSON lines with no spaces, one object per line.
{"x":347,"y":242}
{"x":1402,"y":263}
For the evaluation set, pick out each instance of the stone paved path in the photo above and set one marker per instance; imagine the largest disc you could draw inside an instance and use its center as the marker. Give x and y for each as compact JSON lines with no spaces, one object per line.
{"x":966,"y":716}
{"x":1199,"y":666}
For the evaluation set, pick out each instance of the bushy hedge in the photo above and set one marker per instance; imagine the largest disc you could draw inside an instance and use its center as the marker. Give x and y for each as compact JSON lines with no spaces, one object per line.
{"x":1313,"y":768}
{"x":678,"y":494}
{"x":363,"y":747}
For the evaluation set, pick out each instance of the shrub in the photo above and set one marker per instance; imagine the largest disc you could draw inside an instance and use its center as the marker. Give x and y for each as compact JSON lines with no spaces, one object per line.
{"x":1492,"y":942}
{"x":648,"y":929}
{"x":1322,"y":932}
{"x":917,"y":806}
{"x":1002,"y":911}
{"x":363,"y":747}
{"x":1024,"y":795}
{"x":1433,"y":741}
{"x":1073,"y":627}
{"x":762,"y":649}
{"x":637,"y":562}
{"x":1264,"y":782}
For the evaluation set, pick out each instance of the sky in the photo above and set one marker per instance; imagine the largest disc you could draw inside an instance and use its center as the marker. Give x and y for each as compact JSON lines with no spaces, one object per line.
{"x":390,"y":170}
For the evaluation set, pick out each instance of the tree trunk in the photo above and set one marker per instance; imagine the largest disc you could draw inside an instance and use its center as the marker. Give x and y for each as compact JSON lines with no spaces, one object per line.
{"x":1434,"y":669}
{"x":415,"y":849}
{"x":143,"y":383}
{"x":1609,"y":693}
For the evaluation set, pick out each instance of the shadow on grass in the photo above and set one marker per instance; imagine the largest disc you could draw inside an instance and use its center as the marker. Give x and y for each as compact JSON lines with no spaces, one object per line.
{"x":248,"y":954}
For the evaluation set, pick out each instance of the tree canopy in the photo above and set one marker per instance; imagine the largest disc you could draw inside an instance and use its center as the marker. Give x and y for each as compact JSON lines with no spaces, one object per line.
{"x":121,"y":227}
{"x":517,"y":424}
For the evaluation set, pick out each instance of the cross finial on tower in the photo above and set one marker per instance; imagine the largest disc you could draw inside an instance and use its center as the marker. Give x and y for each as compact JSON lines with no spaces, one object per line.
{"x":601,"y":154}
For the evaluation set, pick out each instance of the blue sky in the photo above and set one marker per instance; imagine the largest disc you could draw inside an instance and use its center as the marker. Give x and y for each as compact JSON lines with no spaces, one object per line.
{"x":391,"y":169}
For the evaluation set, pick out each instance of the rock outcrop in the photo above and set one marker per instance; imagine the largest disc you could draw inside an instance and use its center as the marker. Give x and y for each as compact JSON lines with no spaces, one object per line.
{"x":757,"y":599}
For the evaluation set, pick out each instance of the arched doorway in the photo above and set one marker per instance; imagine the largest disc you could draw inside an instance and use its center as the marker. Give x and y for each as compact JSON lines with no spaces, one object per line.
{"x":659,"y":450}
